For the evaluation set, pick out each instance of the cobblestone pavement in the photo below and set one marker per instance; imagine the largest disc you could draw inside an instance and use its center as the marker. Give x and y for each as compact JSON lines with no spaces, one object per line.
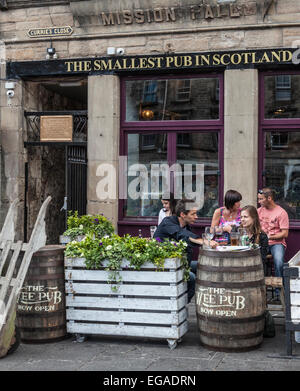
{"x":133,"y":354}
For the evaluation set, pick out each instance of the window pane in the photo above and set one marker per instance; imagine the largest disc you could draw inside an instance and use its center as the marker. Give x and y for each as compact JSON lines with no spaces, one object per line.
{"x":282,"y":168}
{"x":282,"y":96}
{"x":201,"y":148}
{"x":172,"y":100}
{"x":148,"y":151}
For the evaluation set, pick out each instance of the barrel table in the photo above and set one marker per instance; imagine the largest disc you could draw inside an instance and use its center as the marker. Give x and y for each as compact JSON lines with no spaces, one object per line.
{"x":41,"y":311}
{"x":230,"y":299}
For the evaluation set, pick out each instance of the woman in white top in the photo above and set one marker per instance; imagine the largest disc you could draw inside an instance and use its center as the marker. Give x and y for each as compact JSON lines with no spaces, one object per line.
{"x":168,"y":207}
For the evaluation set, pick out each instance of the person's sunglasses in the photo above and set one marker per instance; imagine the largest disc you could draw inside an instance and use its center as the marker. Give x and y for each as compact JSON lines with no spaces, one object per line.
{"x":261,"y":192}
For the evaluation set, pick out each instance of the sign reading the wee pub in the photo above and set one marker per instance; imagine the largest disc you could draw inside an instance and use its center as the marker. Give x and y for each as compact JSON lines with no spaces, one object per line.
{"x":160,"y":63}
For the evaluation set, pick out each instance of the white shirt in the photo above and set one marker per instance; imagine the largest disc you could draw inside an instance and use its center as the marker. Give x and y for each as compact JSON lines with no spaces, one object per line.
{"x":161,"y":216}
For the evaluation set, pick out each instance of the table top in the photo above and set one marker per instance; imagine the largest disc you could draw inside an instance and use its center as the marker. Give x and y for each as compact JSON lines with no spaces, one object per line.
{"x":229,"y":254}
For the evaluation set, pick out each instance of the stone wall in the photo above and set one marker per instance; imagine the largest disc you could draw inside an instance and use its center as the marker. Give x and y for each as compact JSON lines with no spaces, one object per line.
{"x":279,"y":28}
{"x":249,"y":24}
{"x":12,"y":152}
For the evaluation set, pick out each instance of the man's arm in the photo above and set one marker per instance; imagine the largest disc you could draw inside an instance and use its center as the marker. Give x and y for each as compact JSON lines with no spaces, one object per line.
{"x":284,"y":233}
{"x":200,"y":241}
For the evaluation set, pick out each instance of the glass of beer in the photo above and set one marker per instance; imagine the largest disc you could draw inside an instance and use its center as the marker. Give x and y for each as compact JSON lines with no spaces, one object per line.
{"x":234,"y":238}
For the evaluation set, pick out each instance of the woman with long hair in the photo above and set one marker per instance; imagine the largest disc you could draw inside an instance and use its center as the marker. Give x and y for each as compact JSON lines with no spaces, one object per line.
{"x":168,"y":208}
{"x":250,"y":221}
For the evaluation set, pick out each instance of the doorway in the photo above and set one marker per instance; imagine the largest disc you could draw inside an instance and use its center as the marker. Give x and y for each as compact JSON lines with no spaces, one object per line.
{"x":55,"y":168}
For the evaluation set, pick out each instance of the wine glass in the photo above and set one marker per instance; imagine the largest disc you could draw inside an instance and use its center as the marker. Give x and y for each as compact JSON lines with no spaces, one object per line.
{"x":152,"y":230}
{"x":209,"y":233}
{"x":219,"y":230}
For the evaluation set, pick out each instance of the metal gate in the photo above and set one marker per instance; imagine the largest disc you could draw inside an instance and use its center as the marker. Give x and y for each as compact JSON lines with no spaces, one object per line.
{"x":76,"y":178}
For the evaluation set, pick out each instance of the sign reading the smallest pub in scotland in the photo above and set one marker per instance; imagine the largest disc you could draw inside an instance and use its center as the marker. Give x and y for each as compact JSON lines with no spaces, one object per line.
{"x":262,"y":59}
{"x":50,"y":32}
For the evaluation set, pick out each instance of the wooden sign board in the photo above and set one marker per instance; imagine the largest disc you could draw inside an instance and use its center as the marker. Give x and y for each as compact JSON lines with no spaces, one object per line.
{"x":56,"y":128}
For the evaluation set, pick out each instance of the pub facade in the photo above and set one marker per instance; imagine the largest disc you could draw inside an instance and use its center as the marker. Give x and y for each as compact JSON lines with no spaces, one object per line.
{"x":208,"y":85}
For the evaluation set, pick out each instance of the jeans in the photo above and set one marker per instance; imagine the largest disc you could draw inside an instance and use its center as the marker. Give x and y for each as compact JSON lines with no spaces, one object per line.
{"x":192,"y":280}
{"x":277,"y":251}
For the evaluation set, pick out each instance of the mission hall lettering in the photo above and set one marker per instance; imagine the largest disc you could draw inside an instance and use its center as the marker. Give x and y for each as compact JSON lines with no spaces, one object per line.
{"x":172,"y":14}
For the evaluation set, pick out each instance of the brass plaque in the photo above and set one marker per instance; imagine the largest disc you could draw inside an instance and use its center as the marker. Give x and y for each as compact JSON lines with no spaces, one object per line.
{"x":56,"y":128}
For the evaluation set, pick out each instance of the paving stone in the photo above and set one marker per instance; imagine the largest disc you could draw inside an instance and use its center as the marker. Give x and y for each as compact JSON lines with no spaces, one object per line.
{"x":112,"y":353}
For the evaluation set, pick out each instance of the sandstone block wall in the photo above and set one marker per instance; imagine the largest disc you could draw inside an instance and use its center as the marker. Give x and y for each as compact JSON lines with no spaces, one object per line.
{"x":280,"y":27}
{"x":248,"y":25}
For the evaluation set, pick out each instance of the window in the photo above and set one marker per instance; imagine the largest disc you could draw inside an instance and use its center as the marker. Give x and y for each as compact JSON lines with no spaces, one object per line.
{"x":196,"y":168}
{"x":164,"y":154}
{"x":283,"y":88}
{"x":281,"y":96}
{"x":148,"y":141}
{"x":183,"y":93}
{"x":279,"y":140}
{"x":183,"y":140}
{"x":282,"y":169}
{"x":172,"y":99}
{"x":143,"y":192}
{"x":150,"y":92}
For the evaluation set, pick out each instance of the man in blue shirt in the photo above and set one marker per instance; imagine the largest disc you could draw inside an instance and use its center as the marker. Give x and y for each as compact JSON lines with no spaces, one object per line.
{"x":178,"y":228}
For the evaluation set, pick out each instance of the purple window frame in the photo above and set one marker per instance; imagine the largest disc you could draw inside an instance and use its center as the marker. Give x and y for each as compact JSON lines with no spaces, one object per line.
{"x":171,"y":127}
{"x":267,"y":125}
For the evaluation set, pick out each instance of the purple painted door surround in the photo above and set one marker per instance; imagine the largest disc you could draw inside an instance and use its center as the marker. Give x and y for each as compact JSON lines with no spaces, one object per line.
{"x":131,"y":225}
{"x":267,"y":125}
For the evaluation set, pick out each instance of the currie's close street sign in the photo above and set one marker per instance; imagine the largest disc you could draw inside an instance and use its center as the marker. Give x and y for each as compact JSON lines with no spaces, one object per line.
{"x":50,"y":32}
{"x":149,"y":63}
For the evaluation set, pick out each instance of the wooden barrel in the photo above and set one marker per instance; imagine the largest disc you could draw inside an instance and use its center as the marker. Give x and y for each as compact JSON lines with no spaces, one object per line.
{"x":41,"y":311}
{"x":230,"y":300}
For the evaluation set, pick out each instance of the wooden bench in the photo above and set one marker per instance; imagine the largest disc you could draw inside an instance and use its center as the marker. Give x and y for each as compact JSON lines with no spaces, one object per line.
{"x":13,"y":271}
{"x":291,"y":275}
{"x":272,"y":282}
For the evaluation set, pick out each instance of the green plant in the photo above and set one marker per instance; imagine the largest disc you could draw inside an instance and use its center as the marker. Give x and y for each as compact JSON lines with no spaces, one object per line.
{"x":97,"y":225}
{"x":136,"y":250}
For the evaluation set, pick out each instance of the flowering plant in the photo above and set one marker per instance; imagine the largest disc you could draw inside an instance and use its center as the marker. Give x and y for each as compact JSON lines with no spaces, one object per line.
{"x":136,"y":250}
{"x":82,"y":225}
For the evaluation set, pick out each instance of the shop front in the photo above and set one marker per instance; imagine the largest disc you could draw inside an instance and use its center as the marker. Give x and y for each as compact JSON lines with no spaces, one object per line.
{"x":196,"y":100}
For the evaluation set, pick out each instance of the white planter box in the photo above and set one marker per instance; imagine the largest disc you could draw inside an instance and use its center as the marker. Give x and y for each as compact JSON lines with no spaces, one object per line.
{"x":67,"y":239}
{"x":148,"y":302}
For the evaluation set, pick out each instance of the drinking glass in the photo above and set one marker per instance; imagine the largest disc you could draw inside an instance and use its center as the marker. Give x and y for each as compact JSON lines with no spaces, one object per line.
{"x":152,"y":230}
{"x":234,"y":238}
{"x":244,"y":237}
{"x":209,"y":232}
{"x":204,"y":246}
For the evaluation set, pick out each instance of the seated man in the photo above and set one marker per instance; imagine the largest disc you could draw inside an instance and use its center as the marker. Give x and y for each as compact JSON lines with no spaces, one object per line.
{"x":274,"y":222}
{"x":177,"y":228}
